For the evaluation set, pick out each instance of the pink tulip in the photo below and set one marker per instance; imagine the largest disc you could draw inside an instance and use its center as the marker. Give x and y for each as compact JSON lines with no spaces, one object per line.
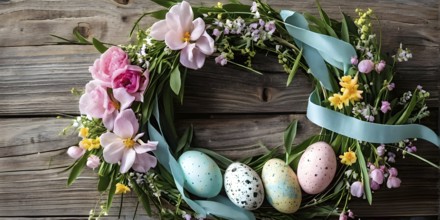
{"x":110,"y":61}
{"x":75,"y":152}
{"x":366,"y":66}
{"x":95,"y":103}
{"x":380,"y":66}
{"x":93,"y":161}
{"x":386,"y":106}
{"x":181,"y":32}
{"x":377,"y":176}
{"x":393,"y":182}
{"x":357,"y":189}
{"x":122,"y":145}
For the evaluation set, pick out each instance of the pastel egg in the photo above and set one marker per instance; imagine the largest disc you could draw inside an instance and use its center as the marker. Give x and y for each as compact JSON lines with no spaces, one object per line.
{"x":202,"y":175}
{"x":243,"y":186}
{"x":281,"y":185}
{"x":316,"y":168}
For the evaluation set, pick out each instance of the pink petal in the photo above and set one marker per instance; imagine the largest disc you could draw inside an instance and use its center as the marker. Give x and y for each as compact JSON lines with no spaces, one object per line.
{"x":109,"y":119}
{"x":377,"y":176}
{"x":198,"y":29}
{"x":185,"y":13}
{"x":174,"y":40}
{"x":393,"y":182}
{"x":127,"y":160}
{"x":191,"y":57}
{"x":173,"y":23}
{"x":159,"y":29}
{"x":123,"y":97}
{"x":126,"y":124}
{"x":143,"y":148}
{"x":144,"y":162}
{"x":357,"y":189}
{"x":205,"y":44}
{"x":113,"y":149}
{"x":75,"y":152}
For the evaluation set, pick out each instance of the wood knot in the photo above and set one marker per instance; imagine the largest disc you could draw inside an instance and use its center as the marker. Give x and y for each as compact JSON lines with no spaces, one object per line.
{"x":122,"y":2}
{"x":83,"y":28}
{"x":265,"y":95}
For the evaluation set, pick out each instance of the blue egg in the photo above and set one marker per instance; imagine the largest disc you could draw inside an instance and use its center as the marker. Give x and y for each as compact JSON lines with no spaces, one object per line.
{"x":202,"y":175}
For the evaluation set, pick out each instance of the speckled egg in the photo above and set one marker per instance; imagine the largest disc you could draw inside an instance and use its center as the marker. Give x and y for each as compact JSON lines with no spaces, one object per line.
{"x":281,"y":185}
{"x":202,"y":174}
{"x":316,"y":168}
{"x":243,"y":186}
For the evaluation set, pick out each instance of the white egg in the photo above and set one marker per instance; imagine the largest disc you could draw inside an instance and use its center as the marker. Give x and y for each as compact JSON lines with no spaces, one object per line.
{"x":243,"y":186}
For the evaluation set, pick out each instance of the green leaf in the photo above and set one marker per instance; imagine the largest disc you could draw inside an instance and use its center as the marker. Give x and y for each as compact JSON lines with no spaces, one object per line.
{"x":224,"y":162}
{"x":142,"y":196}
{"x":112,"y":189}
{"x":289,"y":136}
{"x":77,"y":168}
{"x":294,"y":68}
{"x":159,"y":14}
{"x":344,"y":31}
{"x":322,"y":14}
{"x":79,"y":37}
{"x":104,"y":182}
{"x":364,"y":171}
{"x":185,"y":140}
{"x":409,"y":108}
{"x":99,"y":45}
{"x":321,"y":24}
{"x":351,"y":26}
{"x":175,"y":81}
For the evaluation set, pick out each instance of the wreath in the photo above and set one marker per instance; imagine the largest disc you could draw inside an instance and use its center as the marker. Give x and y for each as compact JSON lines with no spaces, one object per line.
{"x":127,"y":110}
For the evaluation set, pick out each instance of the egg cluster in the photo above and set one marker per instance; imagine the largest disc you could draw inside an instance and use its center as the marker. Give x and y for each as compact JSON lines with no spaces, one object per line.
{"x":278,"y":182}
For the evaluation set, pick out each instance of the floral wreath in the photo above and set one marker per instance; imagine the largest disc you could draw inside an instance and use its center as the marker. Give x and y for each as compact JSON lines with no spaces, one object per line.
{"x":128,"y":136}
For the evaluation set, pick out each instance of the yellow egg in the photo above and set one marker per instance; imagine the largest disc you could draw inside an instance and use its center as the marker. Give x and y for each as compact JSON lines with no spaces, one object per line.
{"x":281,"y":185}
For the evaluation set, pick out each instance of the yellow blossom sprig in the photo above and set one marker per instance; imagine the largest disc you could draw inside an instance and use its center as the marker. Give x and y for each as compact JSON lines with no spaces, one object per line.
{"x":364,"y":22}
{"x":349,"y":158}
{"x":350,"y":93}
{"x":122,"y":189}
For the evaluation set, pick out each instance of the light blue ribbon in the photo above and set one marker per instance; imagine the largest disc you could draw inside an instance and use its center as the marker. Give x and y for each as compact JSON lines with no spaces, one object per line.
{"x":318,"y":47}
{"x":365,"y":131}
{"x":218,"y":206}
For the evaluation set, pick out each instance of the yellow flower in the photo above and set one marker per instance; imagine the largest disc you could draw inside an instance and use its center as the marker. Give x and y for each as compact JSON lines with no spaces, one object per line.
{"x":219,"y":5}
{"x":348,"y":158}
{"x":338,"y":101}
{"x":90,"y":144}
{"x":83,"y":132}
{"x":350,"y":89}
{"x":121,"y":188}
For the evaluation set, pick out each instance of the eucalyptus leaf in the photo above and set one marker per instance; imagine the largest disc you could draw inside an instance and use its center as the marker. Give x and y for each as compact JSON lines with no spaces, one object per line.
{"x":142,"y":196}
{"x":175,"y":81}
{"x":364,"y":171}
{"x":294,"y":68}
{"x":77,"y":168}
{"x":99,"y":45}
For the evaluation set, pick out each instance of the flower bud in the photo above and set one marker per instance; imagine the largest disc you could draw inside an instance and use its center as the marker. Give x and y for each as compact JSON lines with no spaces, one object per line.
{"x":366,"y":66}
{"x":75,"y":152}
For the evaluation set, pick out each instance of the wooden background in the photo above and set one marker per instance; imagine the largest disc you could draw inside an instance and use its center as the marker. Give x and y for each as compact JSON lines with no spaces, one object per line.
{"x":231,"y":110}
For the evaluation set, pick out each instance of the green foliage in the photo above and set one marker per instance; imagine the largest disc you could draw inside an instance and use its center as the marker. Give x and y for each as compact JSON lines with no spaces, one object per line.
{"x":77,"y":168}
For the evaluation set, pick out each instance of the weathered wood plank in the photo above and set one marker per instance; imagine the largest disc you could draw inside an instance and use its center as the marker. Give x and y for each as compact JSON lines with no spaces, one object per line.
{"x":37,"y":81}
{"x":27,"y":153}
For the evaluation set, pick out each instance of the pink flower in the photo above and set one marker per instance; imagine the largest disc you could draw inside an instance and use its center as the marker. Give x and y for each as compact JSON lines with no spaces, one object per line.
{"x":385,"y":107}
{"x":122,"y":145}
{"x":354,"y":60}
{"x":93,"y":161}
{"x":75,"y":152}
{"x":393,"y":182}
{"x":380,"y":150}
{"x":132,"y":79}
{"x":350,"y":214}
{"x":144,"y":162}
{"x":380,"y":66}
{"x":377,"y":176}
{"x":391,"y":86}
{"x":374,"y":185}
{"x":181,"y":32}
{"x":366,"y":66}
{"x":342,"y":216}
{"x":96,"y":103}
{"x":392,"y":171}
{"x":357,"y":189}
{"x":110,"y":61}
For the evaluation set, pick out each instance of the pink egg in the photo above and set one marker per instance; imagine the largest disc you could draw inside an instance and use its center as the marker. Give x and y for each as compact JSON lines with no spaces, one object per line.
{"x":316,"y":168}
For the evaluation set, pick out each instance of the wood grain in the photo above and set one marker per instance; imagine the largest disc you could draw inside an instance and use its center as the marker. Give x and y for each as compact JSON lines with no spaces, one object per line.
{"x":231,"y":110}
